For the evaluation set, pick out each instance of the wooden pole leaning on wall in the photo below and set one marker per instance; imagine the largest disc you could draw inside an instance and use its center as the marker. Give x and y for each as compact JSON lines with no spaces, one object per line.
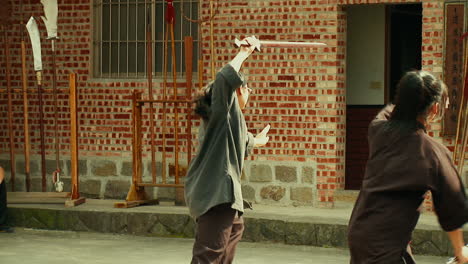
{"x":464,"y":143}
{"x":164,"y":110}
{"x":41,"y":131}
{"x":75,"y":198}
{"x":461,"y":139}
{"x":188,"y":80}
{"x":459,"y":133}
{"x":10,"y":108}
{"x":149,"y":73}
{"x":24,"y":79}
{"x":212,"y":53}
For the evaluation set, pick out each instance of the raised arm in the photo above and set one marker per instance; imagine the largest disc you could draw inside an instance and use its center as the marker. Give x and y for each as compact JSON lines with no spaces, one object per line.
{"x":228,"y":78}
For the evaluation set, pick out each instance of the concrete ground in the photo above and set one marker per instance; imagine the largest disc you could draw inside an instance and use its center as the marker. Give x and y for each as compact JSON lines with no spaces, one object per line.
{"x":29,"y":246}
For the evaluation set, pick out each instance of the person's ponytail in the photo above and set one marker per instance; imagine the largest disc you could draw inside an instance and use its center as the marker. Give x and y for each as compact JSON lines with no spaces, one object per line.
{"x":202,"y":103}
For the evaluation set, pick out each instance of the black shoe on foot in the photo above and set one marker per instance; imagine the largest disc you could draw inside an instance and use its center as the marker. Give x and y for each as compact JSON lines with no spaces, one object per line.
{"x":6,"y":229}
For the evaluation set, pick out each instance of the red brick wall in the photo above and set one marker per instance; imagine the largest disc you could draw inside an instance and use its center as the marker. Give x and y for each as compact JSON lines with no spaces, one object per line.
{"x":299,"y":92}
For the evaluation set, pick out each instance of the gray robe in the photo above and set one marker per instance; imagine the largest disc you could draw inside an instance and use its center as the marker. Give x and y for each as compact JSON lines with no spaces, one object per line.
{"x":214,"y":175}
{"x":399,"y":171}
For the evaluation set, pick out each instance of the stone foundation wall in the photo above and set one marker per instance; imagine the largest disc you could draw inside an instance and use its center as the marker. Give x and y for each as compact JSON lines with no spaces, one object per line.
{"x":262,"y":182}
{"x":280,"y":183}
{"x":99,"y":178}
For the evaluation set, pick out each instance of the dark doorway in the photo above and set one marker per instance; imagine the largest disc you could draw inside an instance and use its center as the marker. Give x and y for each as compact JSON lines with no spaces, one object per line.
{"x":404,"y":38}
{"x":402,"y":52}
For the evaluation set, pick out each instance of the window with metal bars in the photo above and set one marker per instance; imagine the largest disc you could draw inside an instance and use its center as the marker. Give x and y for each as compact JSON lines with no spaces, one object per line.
{"x":119,"y":42}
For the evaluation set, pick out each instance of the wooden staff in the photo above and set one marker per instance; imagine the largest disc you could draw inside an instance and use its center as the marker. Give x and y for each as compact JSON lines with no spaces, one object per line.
{"x":462,"y":126}
{"x":56,"y":128}
{"x":188,"y":77}
{"x":75,"y":198}
{"x":75,"y":192}
{"x":176,"y":114}
{"x":170,"y":17}
{"x":460,"y":110}
{"x":27,"y":143}
{"x":149,"y":70}
{"x":164,"y":107}
{"x":200,"y":56}
{"x":10,"y":109}
{"x":212,"y":60}
{"x":41,"y":130}
{"x":464,"y":144}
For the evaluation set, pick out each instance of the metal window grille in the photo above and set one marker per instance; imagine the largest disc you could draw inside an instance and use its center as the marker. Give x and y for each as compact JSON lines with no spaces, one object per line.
{"x":119,"y":42}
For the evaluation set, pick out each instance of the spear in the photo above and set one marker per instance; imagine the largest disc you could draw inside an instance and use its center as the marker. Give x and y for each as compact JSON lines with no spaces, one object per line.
{"x":27,"y":143}
{"x":50,"y":21}
{"x":33,"y":31}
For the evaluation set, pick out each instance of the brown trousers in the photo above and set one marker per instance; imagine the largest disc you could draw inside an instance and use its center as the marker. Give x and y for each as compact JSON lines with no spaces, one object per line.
{"x":218,"y":232}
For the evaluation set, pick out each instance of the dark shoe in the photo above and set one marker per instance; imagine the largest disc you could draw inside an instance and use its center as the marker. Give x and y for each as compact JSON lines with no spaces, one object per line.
{"x":6,"y":229}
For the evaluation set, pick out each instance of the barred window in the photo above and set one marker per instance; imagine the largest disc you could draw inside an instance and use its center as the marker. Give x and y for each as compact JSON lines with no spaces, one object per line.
{"x":119,"y":42}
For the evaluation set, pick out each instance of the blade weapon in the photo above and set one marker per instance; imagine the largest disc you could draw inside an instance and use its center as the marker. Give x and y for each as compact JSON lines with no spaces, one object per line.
{"x":279,"y":44}
{"x":33,"y":31}
{"x":50,"y":20}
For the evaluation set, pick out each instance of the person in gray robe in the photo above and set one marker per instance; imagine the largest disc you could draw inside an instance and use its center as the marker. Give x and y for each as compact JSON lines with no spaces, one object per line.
{"x":213,"y":183}
{"x":404,"y":163}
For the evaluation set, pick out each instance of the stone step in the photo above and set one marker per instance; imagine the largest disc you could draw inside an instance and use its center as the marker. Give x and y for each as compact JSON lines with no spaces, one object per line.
{"x":286,"y":225}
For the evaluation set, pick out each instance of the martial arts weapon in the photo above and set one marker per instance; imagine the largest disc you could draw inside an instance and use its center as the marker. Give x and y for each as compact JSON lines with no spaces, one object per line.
{"x":462,"y":125}
{"x":464,"y":105}
{"x":170,"y":19}
{"x":36,"y":46}
{"x":149,"y":72}
{"x":9,"y":92}
{"x":460,"y":112}
{"x":188,"y":81}
{"x":279,"y":44}
{"x":50,"y":21}
{"x":212,"y":60}
{"x":27,"y":143}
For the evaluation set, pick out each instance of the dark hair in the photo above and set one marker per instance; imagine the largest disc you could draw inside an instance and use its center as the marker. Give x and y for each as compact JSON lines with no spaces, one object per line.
{"x":202,"y":99}
{"x":202,"y":102}
{"x":417,"y":92}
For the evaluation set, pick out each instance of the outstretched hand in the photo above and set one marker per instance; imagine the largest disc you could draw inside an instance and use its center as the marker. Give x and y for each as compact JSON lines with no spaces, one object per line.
{"x":261,"y":138}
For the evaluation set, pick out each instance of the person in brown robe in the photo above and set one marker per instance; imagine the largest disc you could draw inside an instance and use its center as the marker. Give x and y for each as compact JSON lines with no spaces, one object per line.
{"x":4,"y":228}
{"x":404,"y":163}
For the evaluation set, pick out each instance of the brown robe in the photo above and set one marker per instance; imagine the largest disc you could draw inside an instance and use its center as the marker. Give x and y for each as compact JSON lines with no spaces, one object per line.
{"x":399,"y":171}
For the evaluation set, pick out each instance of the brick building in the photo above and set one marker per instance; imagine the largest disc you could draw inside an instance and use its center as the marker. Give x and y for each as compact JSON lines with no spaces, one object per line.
{"x":318,"y":100}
